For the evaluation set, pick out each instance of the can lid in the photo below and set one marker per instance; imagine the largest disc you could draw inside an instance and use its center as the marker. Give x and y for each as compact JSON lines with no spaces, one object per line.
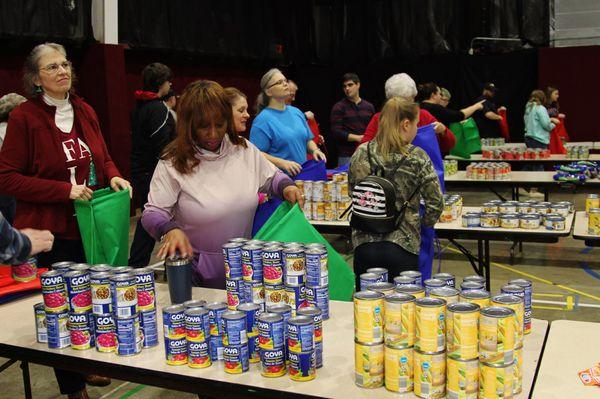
{"x":411,"y":273}
{"x":215,"y":305}
{"x":409,"y":289}
{"x":196,"y":311}
{"x":301,"y":320}
{"x":279,"y":308}
{"x":75,"y":273}
{"x":173,"y":309}
{"x":399,"y":297}
{"x":233,"y":315}
{"x":507,"y":299}
{"x":51,"y":273}
{"x":463,"y":307}
{"x":512,"y":216}
{"x":368,"y":295}
{"x":377,"y":270}
{"x":474,"y":277}
{"x":229,"y":245}
{"x":594,"y":210}
{"x":475,"y":294}
{"x":497,"y":311}
{"x":292,"y":249}
{"x":444,"y":291}
{"x":183,"y":261}
{"x":434,"y":282}
{"x":430,"y":302}
{"x":122,"y":277}
{"x":309,"y":311}
{"x":381,"y":286}
{"x":194,"y":303}
{"x":315,"y":251}
{"x":403,"y":279}
{"x":249,"y":306}
{"x":530,"y":216}
{"x":556,"y":218}
{"x":100,"y":275}
{"x":143,"y":270}
{"x":62,"y":265}
{"x":270,"y":317}
{"x":512,"y":288}
{"x":443,"y":276}
{"x":370,"y":276}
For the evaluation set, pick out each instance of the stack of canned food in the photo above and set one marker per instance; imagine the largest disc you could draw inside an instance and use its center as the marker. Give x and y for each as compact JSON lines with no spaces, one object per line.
{"x":111,"y":308}
{"x":466,"y":343}
{"x":452,"y":208}
{"x":529,"y":215}
{"x":493,"y":142}
{"x":488,"y":171}
{"x":450,"y":167}
{"x":577,"y":152}
{"x":325,"y":200}
{"x":515,"y":153}
{"x":592,"y":209}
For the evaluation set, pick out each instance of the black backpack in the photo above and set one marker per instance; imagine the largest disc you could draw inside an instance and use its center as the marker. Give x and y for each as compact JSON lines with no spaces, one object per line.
{"x":374,"y":200}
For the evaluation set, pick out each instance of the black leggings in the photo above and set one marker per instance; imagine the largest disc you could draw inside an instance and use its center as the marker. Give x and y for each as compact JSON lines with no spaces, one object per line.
{"x":383,"y":254}
{"x":65,"y":250}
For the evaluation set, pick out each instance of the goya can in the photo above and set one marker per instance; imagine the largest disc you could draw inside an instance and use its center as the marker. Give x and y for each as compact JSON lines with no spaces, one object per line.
{"x":236,"y":358}
{"x":414,"y":274}
{"x":253,"y":348}
{"x":475,"y":277}
{"x":271,"y":331}
{"x":272,"y":260}
{"x":80,"y":267}
{"x":497,"y":335}
{"x":462,"y":378}
{"x":122,"y":270}
{"x":176,"y":351}
{"x":232,"y":254}
{"x":479,"y":297}
{"x":251,"y":310}
{"x":462,"y":330}
{"x":303,"y":366}
{"x":25,"y":271}
{"x":57,"y":328}
{"x":124,"y":295}
{"x":430,"y":374}
{"x":368,"y":365}
{"x":295,"y":296}
{"x":399,"y":281}
{"x":471,"y":285}
{"x":54,"y":291}
{"x":198,"y":354}
{"x":81,"y":330}
{"x":319,"y":354}
{"x":448,"y":294}
{"x":317,"y":270}
{"x":518,"y":371}
{"x":146,"y":294}
{"x":366,"y":279}
{"x":102,"y":268}
{"x":525,"y":284}
{"x":317,"y":316}
{"x":432,"y":283}
{"x":272,"y":362}
{"x":239,"y":240}
{"x":41,"y":332}
{"x":382,"y":286}
{"x":300,"y":334}
{"x":447,"y":277}
{"x":149,"y":328}
{"x":252,"y":267}
{"x":496,"y":382}
{"x":319,"y":297}
{"x":235,"y":292}
{"x":369,"y":314}
{"x":197,"y":324}
{"x":234,"y":328}
{"x":295,"y":272}
{"x":62,"y":266}
{"x":515,"y":303}
{"x":412,"y":289}
{"x":274,"y":294}
{"x":399,"y":320}
{"x":106,"y":333}
{"x":129,"y":337}
{"x":101,"y":296}
{"x":194,"y":303}
{"x":215,"y":311}
{"x":78,"y":291}
{"x":381,"y":271}
{"x":216,"y":348}
{"x":399,"y":372}
{"x":254,"y":292}
{"x":430,"y":330}
{"x":174,"y":321}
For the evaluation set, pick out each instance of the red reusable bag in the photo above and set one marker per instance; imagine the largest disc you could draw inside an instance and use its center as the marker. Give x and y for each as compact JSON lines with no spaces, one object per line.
{"x":504,"y":126}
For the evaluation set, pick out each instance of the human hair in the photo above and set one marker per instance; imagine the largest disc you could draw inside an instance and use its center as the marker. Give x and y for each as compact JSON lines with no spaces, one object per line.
{"x":390,"y":137}
{"x":350,"y":76}
{"x":9,"y":102}
{"x":233,"y":94}
{"x":445,"y":93}
{"x":426,"y":90}
{"x":538,"y":97}
{"x":549,"y":91}
{"x":262,"y":100}
{"x":201,"y":101}
{"x":155,"y":75}
{"x":31,"y":69}
{"x":400,"y":85}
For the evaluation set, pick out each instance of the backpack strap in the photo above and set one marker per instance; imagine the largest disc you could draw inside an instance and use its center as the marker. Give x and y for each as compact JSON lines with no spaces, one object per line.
{"x":371,"y":160}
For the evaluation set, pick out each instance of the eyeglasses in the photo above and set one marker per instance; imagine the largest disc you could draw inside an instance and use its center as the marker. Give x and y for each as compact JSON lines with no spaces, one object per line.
{"x":53,"y":68}
{"x":279,"y":82}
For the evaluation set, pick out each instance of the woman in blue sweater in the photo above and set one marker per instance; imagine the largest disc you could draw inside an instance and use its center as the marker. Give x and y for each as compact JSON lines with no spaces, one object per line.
{"x":538,"y":125}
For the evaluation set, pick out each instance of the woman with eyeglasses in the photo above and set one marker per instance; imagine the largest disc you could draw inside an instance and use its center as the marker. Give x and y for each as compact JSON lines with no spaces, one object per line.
{"x":53,"y":154}
{"x":280,"y":131}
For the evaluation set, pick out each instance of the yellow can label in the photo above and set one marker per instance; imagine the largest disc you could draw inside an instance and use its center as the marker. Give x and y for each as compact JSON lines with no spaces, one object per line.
{"x":400,"y":324}
{"x":448,"y":299}
{"x":430,"y":331}
{"x":368,"y":365}
{"x":462,"y":378}
{"x":430,"y":374}
{"x":399,"y":369}
{"x":482,"y":302}
{"x":518,"y":371}
{"x":495,"y":382}
{"x":368,"y":320}
{"x":462,"y":335}
{"x":497,"y":339}
{"x":594,"y":224}
{"x":519,"y":309}
{"x":591,"y":203}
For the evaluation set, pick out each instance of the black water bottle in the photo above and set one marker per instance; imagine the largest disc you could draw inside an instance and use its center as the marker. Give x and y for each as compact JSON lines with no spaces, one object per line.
{"x":179,"y":277}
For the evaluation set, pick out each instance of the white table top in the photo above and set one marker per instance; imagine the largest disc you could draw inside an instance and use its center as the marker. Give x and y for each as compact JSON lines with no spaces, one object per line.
{"x":553,"y":157}
{"x":514,"y":177}
{"x":572,"y":346}
{"x":580,"y":229}
{"x":590,"y":144}
{"x":334,"y":380}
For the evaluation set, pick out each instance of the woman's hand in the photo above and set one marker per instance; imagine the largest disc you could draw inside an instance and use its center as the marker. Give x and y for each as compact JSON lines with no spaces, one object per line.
{"x":439,"y":128}
{"x":319,"y":155}
{"x":118,"y":183}
{"x":291,"y":167}
{"x":80,"y":192}
{"x":41,"y":240}
{"x":175,"y":240}
{"x":293,"y":194}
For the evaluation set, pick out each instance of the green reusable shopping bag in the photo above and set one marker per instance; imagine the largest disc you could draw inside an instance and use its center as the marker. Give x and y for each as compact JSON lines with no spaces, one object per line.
{"x":104,"y":226}
{"x":467,"y":138}
{"x":288,"y":223}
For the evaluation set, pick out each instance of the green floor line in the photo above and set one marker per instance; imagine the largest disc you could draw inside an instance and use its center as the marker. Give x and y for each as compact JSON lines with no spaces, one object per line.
{"x":132,"y":391}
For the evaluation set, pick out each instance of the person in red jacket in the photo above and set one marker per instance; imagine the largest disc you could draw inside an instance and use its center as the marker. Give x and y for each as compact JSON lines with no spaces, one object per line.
{"x":402,"y":85}
{"x":54,"y":154}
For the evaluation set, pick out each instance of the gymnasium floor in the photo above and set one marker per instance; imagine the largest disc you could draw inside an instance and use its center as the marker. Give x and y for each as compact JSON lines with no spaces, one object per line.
{"x":562,"y":273}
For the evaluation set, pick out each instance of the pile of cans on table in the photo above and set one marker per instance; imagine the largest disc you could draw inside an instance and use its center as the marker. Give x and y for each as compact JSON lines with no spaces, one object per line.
{"x":452,"y":208}
{"x":110,"y":308}
{"x":493,"y":142}
{"x":435,"y":339}
{"x":488,"y":171}
{"x":325,"y":200}
{"x":592,"y":210}
{"x":515,"y":153}
{"x":530,"y":215}
{"x":577,"y":151}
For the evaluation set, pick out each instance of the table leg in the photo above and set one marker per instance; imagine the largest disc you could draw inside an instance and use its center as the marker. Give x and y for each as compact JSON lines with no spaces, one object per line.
{"x":472,"y":259}
{"x":26,"y":380}
{"x":514,"y":193}
{"x":7,"y":364}
{"x":546,"y":195}
{"x":497,"y":194}
{"x":486,"y":265}
{"x":480,"y":257}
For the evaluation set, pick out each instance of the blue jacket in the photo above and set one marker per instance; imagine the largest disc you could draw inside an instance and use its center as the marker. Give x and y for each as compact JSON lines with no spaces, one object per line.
{"x":15,"y":247}
{"x":537,"y":123}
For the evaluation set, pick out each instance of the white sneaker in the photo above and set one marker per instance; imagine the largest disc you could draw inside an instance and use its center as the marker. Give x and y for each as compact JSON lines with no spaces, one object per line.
{"x":536,"y":194}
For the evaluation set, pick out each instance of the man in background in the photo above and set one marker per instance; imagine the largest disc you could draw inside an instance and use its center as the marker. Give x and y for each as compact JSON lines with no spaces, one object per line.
{"x":488,"y":119}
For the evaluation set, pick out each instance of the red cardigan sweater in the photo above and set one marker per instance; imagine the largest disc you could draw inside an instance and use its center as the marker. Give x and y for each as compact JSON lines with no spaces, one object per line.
{"x":32,"y":164}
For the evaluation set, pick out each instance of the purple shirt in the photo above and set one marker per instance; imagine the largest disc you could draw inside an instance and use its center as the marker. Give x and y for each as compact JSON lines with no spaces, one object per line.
{"x":348,"y":117}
